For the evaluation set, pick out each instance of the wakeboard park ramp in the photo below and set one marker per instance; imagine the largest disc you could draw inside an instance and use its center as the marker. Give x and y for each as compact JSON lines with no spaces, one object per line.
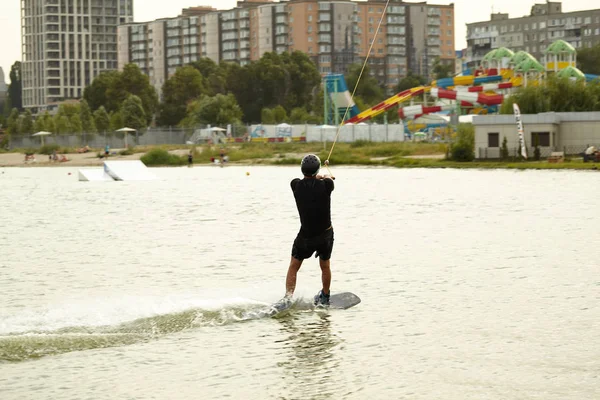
{"x":94,"y":175}
{"x":131,"y":170}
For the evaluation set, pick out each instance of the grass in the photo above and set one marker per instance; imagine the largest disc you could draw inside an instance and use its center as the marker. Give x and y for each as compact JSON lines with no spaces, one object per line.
{"x":365,"y":153}
{"x":156,"y":157}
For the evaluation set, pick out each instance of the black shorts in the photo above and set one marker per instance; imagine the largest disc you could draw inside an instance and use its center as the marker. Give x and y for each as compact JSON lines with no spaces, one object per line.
{"x":304,"y":248}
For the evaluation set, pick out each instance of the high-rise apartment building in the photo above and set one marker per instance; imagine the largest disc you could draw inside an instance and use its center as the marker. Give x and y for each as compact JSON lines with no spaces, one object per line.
{"x":66,"y":44}
{"x":334,"y":34}
{"x":3,"y":90}
{"x":533,"y":33}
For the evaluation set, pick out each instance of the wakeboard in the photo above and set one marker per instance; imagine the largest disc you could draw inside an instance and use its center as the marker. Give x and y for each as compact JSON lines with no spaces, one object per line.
{"x":338,"y":301}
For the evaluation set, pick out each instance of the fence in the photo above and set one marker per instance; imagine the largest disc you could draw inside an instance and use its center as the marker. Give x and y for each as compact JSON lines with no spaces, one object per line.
{"x":495,"y":152}
{"x":327,"y":133}
{"x":100,"y":140}
{"x":164,"y":136}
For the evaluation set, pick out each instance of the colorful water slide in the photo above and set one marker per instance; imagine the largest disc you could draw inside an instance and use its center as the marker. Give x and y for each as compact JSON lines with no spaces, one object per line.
{"x":387,"y":104}
{"x":466,"y":81}
{"x":417,"y":111}
{"x":468,"y":97}
{"x":340,"y":96}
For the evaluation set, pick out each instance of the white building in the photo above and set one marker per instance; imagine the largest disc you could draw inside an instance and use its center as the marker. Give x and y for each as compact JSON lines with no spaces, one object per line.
{"x":66,"y":44}
{"x":570,"y":133}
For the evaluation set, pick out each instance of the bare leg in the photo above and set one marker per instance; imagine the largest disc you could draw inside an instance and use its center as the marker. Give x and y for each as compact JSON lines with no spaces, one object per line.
{"x":290,"y":281}
{"x":325,"y":274}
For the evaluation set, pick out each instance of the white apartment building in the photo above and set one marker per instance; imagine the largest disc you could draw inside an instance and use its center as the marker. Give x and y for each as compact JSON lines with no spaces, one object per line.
{"x":66,"y":44}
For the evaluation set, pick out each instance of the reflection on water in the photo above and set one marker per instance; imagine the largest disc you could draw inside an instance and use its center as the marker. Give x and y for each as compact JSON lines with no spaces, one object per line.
{"x":309,"y":347}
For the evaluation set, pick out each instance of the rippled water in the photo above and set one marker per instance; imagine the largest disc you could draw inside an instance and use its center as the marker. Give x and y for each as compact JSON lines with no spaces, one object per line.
{"x":475,"y":285}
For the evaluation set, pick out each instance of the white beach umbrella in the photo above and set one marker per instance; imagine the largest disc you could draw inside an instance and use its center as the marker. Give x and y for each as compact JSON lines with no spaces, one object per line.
{"x":126,"y":131}
{"x":41,"y":134}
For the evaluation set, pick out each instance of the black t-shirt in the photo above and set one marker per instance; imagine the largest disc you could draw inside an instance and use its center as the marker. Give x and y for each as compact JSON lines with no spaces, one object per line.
{"x":313,"y":199}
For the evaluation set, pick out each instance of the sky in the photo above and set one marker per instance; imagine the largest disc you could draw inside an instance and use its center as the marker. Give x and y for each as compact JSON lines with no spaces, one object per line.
{"x":466,"y":11}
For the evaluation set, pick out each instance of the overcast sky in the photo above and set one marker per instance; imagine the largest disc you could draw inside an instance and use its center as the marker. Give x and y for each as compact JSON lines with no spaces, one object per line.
{"x":145,"y":10}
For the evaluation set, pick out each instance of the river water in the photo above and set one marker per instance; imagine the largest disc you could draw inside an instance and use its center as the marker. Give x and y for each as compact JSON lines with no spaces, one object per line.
{"x":474,"y":285}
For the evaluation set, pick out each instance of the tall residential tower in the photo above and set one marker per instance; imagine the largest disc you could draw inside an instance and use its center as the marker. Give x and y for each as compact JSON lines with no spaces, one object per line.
{"x":66,"y":44}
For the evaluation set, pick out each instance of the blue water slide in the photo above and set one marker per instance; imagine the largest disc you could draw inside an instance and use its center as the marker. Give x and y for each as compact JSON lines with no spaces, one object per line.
{"x":590,"y":77}
{"x":340,"y":95}
{"x":487,"y":79}
{"x":445,"y":83}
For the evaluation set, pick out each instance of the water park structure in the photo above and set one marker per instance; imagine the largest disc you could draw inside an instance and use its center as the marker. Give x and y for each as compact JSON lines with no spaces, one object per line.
{"x":478,"y":91}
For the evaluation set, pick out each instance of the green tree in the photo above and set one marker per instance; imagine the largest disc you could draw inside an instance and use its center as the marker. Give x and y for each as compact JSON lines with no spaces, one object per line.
{"x":504,"y":149}
{"x":132,"y":81}
{"x":111,"y":89}
{"x":63,"y":125}
{"x":214,"y":76}
{"x":299,"y":115}
{"x":15,"y":87}
{"x":184,"y":86}
{"x":304,"y":78}
{"x":39,"y":124}
{"x":410,"y":81}
{"x":76,"y":124}
{"x":588,"y":60}
{"x":557,"y":94}
{"x":96,"y":93}
{"x":217,"y":110}
{"x":68,"y":110}
{"x":464,"y":148}
{"x":279,"y":114}
{"x":133,"y":113}
{"x":442,"y":70}
{"x":49,"y":123}
{"x":27,"y":123}
{"x":85,"y":115}
{"x":116,"y":120}
{"x":12,"y":122}
{"x":368,"y":88}
{"x":267,"y":117}
{"x":101,"y":120}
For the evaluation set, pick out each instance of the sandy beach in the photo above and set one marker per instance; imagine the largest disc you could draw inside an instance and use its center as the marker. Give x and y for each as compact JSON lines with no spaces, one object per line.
{"x":75,"y":160}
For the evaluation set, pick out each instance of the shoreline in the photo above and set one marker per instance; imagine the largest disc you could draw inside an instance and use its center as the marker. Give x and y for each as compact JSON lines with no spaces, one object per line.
{"x":436,"y":161}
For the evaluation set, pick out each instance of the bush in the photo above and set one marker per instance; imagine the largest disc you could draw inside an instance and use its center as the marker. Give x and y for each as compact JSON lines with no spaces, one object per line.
{"x":504,"y":149}
{"x":127,"y":152}
{"x":463,"y":149}
{"x":162,"y":157}
{"x":49,"y":149}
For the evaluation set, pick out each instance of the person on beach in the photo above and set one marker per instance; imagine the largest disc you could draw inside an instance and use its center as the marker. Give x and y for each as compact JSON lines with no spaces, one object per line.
{"x":190,"y":158}
{"x":313,"y":200}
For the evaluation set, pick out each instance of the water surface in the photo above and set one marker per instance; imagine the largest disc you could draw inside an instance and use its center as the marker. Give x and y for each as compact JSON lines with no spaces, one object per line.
{"x":475,"y":284}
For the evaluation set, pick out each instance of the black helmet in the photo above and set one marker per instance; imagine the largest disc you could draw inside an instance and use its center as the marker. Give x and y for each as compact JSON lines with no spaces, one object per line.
{"x":310,"y":165}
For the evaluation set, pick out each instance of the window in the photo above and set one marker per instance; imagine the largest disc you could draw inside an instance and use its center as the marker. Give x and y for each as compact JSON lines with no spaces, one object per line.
{"x":493,"y":139}
{"x":543,"y":138}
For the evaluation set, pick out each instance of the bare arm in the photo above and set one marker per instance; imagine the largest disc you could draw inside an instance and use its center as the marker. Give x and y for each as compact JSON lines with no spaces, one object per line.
{"x":324,"y":177}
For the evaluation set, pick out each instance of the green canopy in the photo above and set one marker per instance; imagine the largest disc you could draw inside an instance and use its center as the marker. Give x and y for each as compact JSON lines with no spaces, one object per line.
{"x":489,"y":56}
{"x":501,"y":53}
{"x":521,"y":56}
{"x":570,"y":72}
{"x":529,"y":65}
{"x":560,"y":47}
